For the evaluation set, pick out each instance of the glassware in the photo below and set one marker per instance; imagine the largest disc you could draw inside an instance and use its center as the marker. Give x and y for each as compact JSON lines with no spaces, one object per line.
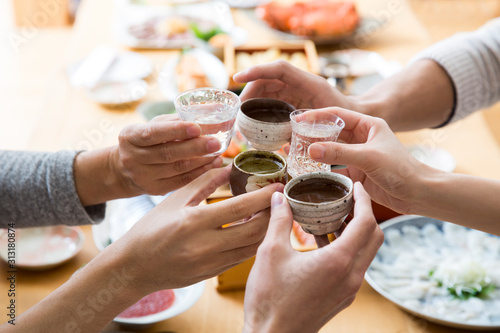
{"x":213,"y":109}
{"x":308,"y":127}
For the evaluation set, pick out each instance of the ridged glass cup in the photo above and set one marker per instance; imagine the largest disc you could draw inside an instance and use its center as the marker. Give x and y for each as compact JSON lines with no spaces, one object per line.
{"x":308,"y":127}
{"x":213,"y":109}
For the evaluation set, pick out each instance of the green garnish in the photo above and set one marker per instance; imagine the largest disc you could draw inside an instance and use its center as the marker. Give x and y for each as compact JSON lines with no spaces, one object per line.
{"x":466,"y":293}
{"x":204,"y":35}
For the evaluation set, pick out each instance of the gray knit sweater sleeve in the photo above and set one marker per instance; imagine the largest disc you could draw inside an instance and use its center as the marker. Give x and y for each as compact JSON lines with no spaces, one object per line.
{"x":38,"y":189}
{"x":472,"y":60}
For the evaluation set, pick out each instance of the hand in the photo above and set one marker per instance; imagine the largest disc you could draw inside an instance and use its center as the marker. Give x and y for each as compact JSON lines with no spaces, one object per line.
{"x":163,"y":155}
{"x":375,"y":157}
{"x":179,"y":243}
{"x":281,"y":80}
{"x":291,"y":291}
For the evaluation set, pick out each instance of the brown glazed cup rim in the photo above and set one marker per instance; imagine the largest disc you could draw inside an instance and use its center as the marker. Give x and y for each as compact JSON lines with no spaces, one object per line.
{"x":261,"y":152}
{"x":253,"y":103}
{"x":319,"y":174}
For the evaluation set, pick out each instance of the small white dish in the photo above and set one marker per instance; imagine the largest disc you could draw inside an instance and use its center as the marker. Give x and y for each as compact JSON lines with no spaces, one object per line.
{"x":185,"y":298}
{"x":215,"y":70}
{"x":43,"y":248}
{"x":437,"y":158}
{"x":127,"y":66}
{"x":117,"y":94}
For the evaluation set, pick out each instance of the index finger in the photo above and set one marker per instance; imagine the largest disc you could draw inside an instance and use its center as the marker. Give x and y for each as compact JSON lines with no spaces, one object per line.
{"x":278,"y":70}
{"x":237,"y":208}
{"x":359,"y":232}
{"x":357,"y":125}
{"x":156,"y":132}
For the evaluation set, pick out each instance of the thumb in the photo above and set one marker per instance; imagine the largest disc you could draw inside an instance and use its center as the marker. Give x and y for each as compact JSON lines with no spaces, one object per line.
{"x":280,"y":224}
{"x":339,"y":153}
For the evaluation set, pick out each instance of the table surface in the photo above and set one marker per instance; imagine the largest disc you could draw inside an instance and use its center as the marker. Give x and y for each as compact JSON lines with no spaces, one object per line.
{"x":61,"y":117}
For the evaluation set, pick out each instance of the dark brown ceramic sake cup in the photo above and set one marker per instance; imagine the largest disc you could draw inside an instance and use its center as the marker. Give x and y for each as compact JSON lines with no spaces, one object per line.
{"x":250,"y":171}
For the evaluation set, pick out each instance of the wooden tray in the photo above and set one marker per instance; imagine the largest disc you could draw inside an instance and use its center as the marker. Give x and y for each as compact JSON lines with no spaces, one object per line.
{"x":307,"y":47}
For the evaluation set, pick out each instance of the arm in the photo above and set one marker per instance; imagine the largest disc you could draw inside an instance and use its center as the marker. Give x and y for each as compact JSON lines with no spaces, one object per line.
{"x":175,"y":245}
{"x":444,"y":83}
{"x":395,"y":179}
{"x":290,"y":291}
{"x":153,"y":158}
{"x":39,"y":189}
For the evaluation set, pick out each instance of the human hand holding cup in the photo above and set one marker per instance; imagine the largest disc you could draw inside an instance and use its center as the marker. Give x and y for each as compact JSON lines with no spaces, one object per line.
{"x":214,"y":110}
{"x":308,"y":127}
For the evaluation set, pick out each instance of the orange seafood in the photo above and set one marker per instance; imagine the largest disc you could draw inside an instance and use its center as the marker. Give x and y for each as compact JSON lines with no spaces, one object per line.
{"x":313,"y":18}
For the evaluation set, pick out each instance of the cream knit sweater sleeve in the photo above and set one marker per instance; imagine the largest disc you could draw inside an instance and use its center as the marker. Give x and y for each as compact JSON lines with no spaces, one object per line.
{"x":472,"y":60}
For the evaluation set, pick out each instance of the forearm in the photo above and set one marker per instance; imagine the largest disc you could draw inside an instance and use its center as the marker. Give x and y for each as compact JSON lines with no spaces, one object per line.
{"x":420,"y":96}
{"x":89,"y":300}
{"x":443,"y":83}
{"x":462,"y":199}
{"x":98,"y":177}
{"x":38,"y":189}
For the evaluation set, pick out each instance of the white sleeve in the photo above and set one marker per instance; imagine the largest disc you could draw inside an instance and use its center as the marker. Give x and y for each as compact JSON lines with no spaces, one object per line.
{"x":472,"y":60}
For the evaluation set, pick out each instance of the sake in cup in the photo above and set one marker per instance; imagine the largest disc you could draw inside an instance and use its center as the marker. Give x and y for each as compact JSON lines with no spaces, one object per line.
{"x":320,"y":201}
{"x":265,"y":122}
{"x":254,"y":169}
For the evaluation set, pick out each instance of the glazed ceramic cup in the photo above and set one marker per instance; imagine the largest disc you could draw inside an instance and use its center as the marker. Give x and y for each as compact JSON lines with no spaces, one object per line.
{"x":320,"y":218}
{"x":254,"y":169}
{"x":265,"y":123}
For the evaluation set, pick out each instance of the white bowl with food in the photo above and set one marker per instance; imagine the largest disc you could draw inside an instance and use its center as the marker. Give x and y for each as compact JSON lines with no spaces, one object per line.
{"x":439,"y":271}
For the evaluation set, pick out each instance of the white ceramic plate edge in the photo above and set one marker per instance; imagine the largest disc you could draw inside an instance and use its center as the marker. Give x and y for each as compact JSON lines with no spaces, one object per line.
{"x":185,"y":298}
{"x":415,"y":312}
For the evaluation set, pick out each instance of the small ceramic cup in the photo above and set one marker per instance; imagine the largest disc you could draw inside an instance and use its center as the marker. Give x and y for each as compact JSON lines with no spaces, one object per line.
{"x":254,"y":169}
{"x":265,"y":123}
{"x":323,"y":217}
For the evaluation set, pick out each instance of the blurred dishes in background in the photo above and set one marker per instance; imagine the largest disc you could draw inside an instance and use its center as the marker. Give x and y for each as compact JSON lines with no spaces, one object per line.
{"x":324,"y":22}
{"x":41,"y":248}
{"x":174,"y":26}
{"x":118,"y":94}
{"x":111,"y":78}
{"x":246,"y":3}
{"x":183,"y":299}
{"x":149,"y":110}
{"x":301,"y":54}
{"x":193,"y":68}
{"x":435,"y":157}
{"x":354,"y":71}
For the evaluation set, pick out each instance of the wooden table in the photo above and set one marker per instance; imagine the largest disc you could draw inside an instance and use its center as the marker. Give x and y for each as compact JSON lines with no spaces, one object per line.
{"x":66,"y":119}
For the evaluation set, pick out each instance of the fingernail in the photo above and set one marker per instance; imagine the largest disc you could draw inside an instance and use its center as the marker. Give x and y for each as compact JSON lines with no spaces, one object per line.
{"x":193,"y":131}
{"x":243,"y":72}
{"x":276,"y":199}
{"x":317,"y":151}
{"x":213,"y":145}
{"x":217,"y":162}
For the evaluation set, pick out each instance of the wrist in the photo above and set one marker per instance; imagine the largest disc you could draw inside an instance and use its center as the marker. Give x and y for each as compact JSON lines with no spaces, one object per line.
{"x":375,"y":105}
{"x":426,"y":190}
{"x":99,"y":177}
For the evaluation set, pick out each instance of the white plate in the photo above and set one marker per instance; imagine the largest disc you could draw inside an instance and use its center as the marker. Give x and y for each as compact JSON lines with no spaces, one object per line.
{"x":185,"y":298}
{"x":42,"y":248}
{"x":214,"y":68}
{"x":435,"y":157}
{"x":116,"y":94}
{"x":397,"y":224}
{"x":128,"y":66}
{"x":366,"y":27}
{"x":134,"y":16}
